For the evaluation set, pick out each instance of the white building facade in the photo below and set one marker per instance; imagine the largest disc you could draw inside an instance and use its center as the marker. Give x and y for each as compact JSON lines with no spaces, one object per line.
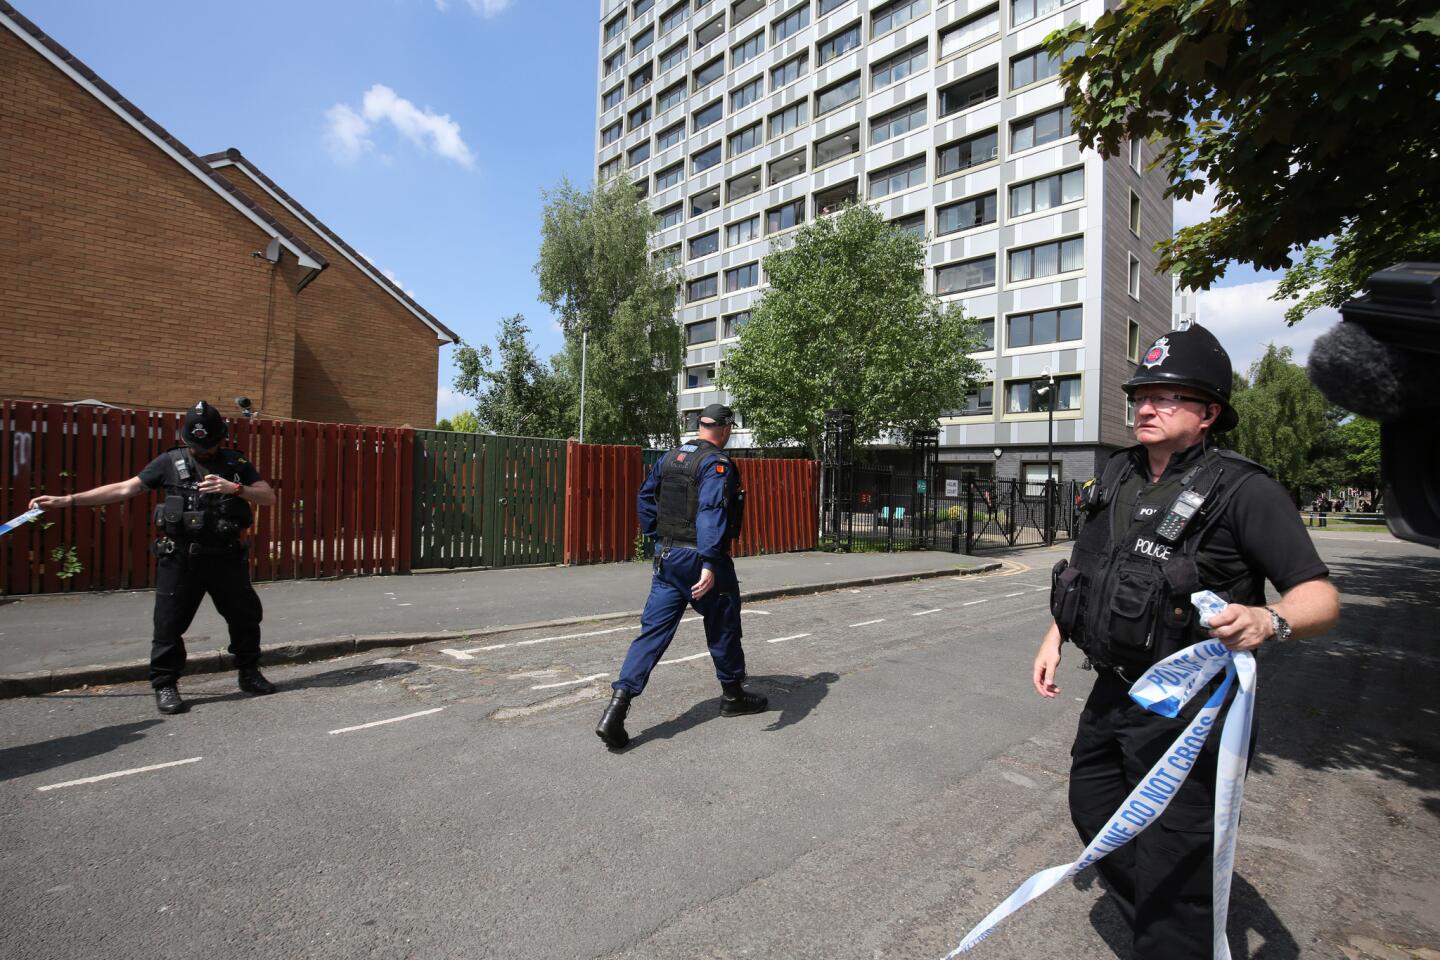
{"x":741,"y":121}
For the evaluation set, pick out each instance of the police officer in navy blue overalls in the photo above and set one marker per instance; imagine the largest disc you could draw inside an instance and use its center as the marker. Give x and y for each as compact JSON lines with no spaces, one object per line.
{"x":693,"y":502}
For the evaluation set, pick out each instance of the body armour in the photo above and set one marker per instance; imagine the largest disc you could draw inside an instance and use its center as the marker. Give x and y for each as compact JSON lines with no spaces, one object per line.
{"x":191,"y":516}
{"x":1124,"y":596}
{"x":679,"y":496}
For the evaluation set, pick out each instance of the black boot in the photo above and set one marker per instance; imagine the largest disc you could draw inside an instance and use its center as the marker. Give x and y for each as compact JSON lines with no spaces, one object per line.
{"x":612,"y":721}
{"x":738,"y":701}
{"x":167,"y":700}
{"x":253,"y":682}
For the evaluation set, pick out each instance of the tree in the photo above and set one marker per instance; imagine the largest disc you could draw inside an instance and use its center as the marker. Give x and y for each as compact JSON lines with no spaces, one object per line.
{"x":846,"y":323}
{"x":518,"y":397}
{"x":1282,"y":415}
{"x":1316,"y":130}
{"x":597,"y":273}
{"x":465,"y":422}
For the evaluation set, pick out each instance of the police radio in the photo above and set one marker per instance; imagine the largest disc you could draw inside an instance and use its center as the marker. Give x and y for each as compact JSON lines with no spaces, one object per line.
{"x":1183,"y":510}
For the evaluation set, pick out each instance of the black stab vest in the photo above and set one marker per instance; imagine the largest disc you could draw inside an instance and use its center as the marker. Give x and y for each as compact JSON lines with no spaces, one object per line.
{"x":678,"y":501}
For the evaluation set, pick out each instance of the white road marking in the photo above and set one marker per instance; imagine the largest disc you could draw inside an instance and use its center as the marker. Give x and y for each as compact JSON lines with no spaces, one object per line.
{"x":527,"y":643}
{"x":971,"y":603}
{"x":795,"y":636}
{"x":923,"y":613}
{"x":1020,"y":594}
{"x":377,"y":723}
{"x":569,"y":683}
{"x":118,"y":773}
{"x":758,"y":613}
{"x":457,"y":654}
{"x":691,"y":619}
{"x":1041,"y":589}
{"x":693,"y":656}
{"x":866,"y":623}
{"x":404,"y":604}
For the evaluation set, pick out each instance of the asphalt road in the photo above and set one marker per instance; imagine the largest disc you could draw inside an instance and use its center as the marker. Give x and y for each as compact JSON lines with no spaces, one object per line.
{"x":905,"y":779}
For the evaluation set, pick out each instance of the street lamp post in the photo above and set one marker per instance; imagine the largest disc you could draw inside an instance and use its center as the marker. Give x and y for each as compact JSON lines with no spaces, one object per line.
{"x":584,"y":349}
{"x":1048,"y":392}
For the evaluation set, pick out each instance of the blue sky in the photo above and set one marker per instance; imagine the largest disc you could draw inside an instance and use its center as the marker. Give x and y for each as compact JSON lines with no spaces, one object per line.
{"x":423,"y":132}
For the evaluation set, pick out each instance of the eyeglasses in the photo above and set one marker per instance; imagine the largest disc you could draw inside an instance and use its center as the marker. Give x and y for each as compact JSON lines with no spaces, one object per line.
{"x":1168,"y":401}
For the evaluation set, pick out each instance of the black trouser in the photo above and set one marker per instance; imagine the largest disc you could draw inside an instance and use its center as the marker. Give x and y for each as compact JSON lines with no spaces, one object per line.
{"x":181,"y":582}
{"x":1162,"y":879}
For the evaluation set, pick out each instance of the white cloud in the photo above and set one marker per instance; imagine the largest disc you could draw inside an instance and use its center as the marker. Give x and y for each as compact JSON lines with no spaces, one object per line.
{"x":1197,"y":209}
{"x":388,"y":274}
{"x":448,"y":403}
{"x":1246,"y":319}
{"x":348,"y":132}
{"x":486,"y":8}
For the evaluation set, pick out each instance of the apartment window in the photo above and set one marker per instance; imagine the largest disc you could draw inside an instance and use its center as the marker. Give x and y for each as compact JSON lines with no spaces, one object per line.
{"x":640,"y":115}
{"x":671,"y":216}
{"x":1037,"y":65}
{"x":966,"y":275}
{"x":1133,"y":278}
{"x":673,"y":17}
{"x":741,"y":10}
{"x":838,"y":44}
{"x":979,"y":402}
{"x":609,"y":170}
{"x":669,"y":257}
{"x":785,"y":216}
{"x":1132,"y":340}
{"x":1134,"y":213}
{"x":965,"y":215}
{"x":642,"y":40}
{"x":642,"y":189}
{"x":614,"y":28}
{"x":1035,"y":476}
{"x":900,"y":121}
{"x":831,"y":200}
{"x":742,"y":231}
{"x":638,"y":154}
{"x":1025,"y":396}
{"x":1130,"y":411}
{"x":705,"y":201}
{"x":610,"y":134}
{"x":701,"y":332}
{"x":698,"y":377}
{"x":613,"y":97}
{"x":896,"y":15}
{"x":1137,"y":155}
{"x":987,"y":333}
{"x":967,"y":153}
{"x":705,"y":159}
{"x":692,"y":421}
{"x":790,"y":24}
{"x":642,"y":6}
{"x":783,"y":121}
{"x":1043,"y":326}
{"x":746,"y":95}
{"x":705,"y":244}
{"x":739,"y":187}
{"x":1047,"y":192}
{"x":674,"y":55}
{"x":709,"y":73}
{"x":671,"y":96}
{"x":789,"y":71}
{"x":747,"y":50}
{"x":913,"y":224}
{"x":1023,"y":11}
{"x":837,"y":146}
{"x":900,"y":66}
{"x":1044,"y":127}
{"x":670,"y":136}
{"x":971,"y":92}
{"x":641,"y":77}
{"x":739,"y":278}
{"x":970,"y":31}
{"x":828,"y":5}
{"x":736,"y":322}
{"x":706,"y":115}
{"x":902,"y":176}
{"x":744,"y":140}
{"x":1047,"y":259}
{"x":837,"y":95}
{"x":790,"y":165}
{"x":699,"y":289}
{"x":613,"y":62}
{"x":709,"y":31}
{"x":669,"y":177}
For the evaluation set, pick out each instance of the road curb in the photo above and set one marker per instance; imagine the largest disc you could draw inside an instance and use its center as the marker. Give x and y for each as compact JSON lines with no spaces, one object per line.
{"x":41,"y":682}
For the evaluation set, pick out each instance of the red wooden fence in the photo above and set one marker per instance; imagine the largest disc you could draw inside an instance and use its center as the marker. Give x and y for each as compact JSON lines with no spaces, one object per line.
{"x":781,"y":506}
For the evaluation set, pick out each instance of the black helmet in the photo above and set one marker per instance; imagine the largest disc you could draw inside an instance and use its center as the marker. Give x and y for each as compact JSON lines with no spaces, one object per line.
{"x":1189,"y":358}
{"x":203,"y":426}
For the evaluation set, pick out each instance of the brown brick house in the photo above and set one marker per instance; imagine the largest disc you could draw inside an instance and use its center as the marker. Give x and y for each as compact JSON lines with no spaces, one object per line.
{"x":135,"y":272}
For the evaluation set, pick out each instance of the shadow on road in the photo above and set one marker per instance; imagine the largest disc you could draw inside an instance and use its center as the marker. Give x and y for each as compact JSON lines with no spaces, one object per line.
{"x":38,"y":757}
{"x":793,"y":697}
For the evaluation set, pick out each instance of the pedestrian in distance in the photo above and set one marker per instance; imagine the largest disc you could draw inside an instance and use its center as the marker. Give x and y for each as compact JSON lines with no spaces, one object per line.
{"x":1173,"y":515}
{"x":209,"y":491}
{"x":693,"y":503}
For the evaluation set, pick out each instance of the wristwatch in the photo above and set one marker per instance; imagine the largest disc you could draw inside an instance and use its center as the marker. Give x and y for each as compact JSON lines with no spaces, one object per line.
{"x":1281,"y":625}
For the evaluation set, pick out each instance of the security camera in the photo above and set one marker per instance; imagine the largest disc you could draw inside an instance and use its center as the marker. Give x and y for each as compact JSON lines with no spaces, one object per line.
{"x":244,"y":404}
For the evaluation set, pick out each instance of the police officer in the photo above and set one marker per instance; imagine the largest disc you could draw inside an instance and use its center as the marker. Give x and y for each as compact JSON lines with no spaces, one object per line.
{"x":1168,"y":517}
{"x":693,"y":501}
{"x":209,"y":491}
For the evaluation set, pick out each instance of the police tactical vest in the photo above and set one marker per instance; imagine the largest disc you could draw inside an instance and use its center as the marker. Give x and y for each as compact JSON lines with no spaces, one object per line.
{"x":1124,"y":598}
{"x":189,"y":515}
{"x":678,"y":501}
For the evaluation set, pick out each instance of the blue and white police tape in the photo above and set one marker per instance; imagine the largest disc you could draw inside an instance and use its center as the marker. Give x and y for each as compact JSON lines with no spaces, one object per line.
{"x":1164,"y":689}
{"x":21,"y":520}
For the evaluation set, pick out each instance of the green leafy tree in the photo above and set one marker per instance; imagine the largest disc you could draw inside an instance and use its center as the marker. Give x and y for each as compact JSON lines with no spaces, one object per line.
{"x":596,"y":271}
{"x":1361,"y":441}
{"x":444,"y":424}
{"x":465,"y":422}
{"x":516,"y":394}
{"x":1282,"y":415}
{"x":1315,"y":128}
{"x":846,"y":323}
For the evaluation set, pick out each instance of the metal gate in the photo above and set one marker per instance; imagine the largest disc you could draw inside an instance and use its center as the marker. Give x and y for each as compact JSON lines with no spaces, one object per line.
{"x":484,"y":500}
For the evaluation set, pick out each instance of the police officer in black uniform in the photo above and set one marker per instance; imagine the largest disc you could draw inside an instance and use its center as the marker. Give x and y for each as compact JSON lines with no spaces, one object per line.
{"x":207,"y":506}
{"x":1168,"y":517}
{"x":694,"y":502}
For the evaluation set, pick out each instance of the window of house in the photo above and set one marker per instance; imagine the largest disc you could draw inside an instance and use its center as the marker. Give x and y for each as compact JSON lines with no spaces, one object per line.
{"x":1042,"y":327}
{"x":970,"y":31}
{"x":1023,"y":11}
{"x":1028,"y":396}
{"x":642,"y":77}
{"x":970,"y":92}
{"x":897,"y":122}
{"x":701,"y":288}
{"x":1133,"y":279}
{"x":979,"y":401}
{"x":1134,"y":213}
{"x":832,"y":199}
{"x":986,"y":329}
{"x":1034,"y":66}
{"x":669,"y":257}
{"x":610,"y":134}
{"x":700,"y":332}
{"x":641,"y":6}
{"x":744,"y":9}
{"x":742,"y":185}
{"x":965,"y":214}
{"x":699,"y":377}
{"x":747,"y":139}
{"x":609,"y":170}
{"x":789,"y":71}
{"x":785,"y":216}
{"x":742,"y":231}
{"x":706,"y":115}
{"x":670,"y":136}
{"x":967,"y":153}
{"x":613,"y":97}
{"x":671,"y":95}
{"x":1046,"y":192}
{"x":837,"y":146}
{"x":1034,"y":476}
{"x":705,"y":244}
{"x":692,"y":421}
{"x":1047,"y":259}
{"x":640,"y":115}
{"x":673,"y":55}
{"x":705,"y":201}
{"x":790,"y":165}
{"x":914,"y":224}
{"x":642,"y":40}
{"x":673,"y":17}
{"x":642,"y":188}
{"x":746,"y":95}
{"x":747,"y":49}
{"x":739,"y":278}
{"x":1132,"y":340}
{"x":790,"y":24}
{"x":736,"y":322}
{"x":613,"y":62}
{"x":709,"y":31}
{"x":705,"y":159}
{"x":793,"y":116}
{"x":838,"y":44}
{"x":892,"y":16}
{"x":837,"y":95}
{"x":827,"y":6}
{"x":1137,"y":155}
{"x":1044,"y":127}
{"x":671,"y":216}
{"x":709,"y":73}
{"x":615,"y":27}
{"x":897,"y":68}
{"x":1129,"y":411}
{"x":965,"y":275}
{"x":901,"y":176}
{"x":638,"y":153}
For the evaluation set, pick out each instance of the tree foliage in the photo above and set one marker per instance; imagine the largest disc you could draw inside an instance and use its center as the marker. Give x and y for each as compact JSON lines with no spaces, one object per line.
{"x":846,"y":323}
{"x":1282,"y":415}
{"x":518,"y":395}
{"x":1316,"y":127}
{"x":596,"y":272}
